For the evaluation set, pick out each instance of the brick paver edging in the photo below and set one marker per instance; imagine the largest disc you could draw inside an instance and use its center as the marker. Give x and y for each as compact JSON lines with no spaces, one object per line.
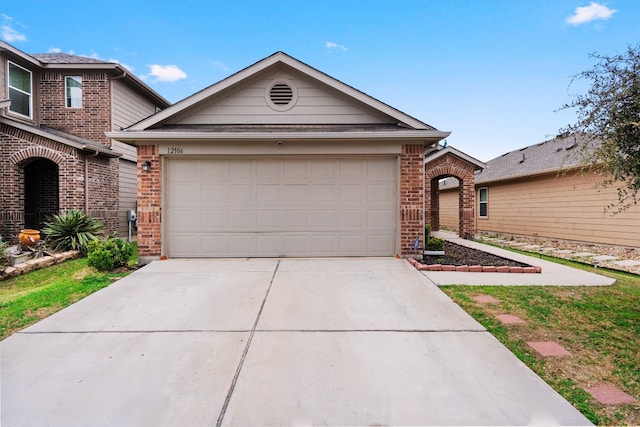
{"x":473,"y":268}
{"x":37,"y":264}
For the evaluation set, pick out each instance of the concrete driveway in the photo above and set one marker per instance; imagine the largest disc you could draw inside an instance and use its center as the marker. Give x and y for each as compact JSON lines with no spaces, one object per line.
{"x":269,"y":342}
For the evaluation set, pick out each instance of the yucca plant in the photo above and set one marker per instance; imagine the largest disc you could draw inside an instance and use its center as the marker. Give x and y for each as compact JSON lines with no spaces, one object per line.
{"x":72,"y":230}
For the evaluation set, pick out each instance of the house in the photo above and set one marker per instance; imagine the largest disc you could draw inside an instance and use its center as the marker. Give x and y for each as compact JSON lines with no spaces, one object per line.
{"x":541,"y":191}
{"x":54,"y":156}
{"x":280,"y":159}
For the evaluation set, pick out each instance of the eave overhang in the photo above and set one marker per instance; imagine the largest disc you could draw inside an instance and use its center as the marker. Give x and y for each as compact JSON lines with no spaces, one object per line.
{"x":154,"y":137}
{"x":77,"y":143}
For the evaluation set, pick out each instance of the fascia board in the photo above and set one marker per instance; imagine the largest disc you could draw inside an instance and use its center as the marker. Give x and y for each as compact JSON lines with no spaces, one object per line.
{"x":457,"y":153}
{"x":151,"y":136}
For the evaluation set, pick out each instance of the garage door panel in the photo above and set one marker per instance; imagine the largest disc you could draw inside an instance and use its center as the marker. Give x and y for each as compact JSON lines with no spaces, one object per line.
{"x":184,"y":220}
{"x":241,"y":193}
{"x":325,"y":219}
{"x":352,"y":194}
{"x":269,"y":194}
{"x":353,"y":219}
{"x":241,"y":171}
{"x":242,"y":219}
{"x":379,"y":219}
{"x":214,"y":194}
{"x":296,"y":193}
{"x":323,"y":193}
{"x":377,"y":244}
{"x":213,"y":220}
{"x":323,"y":244}
{"x":219,"y":207}
{"x":269,"y":219}
{"x":270,"y":245}
{"x":297,"y":219}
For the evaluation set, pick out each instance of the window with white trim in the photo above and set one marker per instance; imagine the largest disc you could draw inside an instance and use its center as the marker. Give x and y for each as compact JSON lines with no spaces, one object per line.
{"x":73,"y":91}
{"x":20,"y":90}
{"x":483,"y":202}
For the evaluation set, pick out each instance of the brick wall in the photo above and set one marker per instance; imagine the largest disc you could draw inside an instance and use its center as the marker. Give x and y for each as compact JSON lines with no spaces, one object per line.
{"x":442,"y":167}
{"x":149,"y":204}
{"x":411,"y":196}
{"x":18,"y":148}
{"x":90,"y":121}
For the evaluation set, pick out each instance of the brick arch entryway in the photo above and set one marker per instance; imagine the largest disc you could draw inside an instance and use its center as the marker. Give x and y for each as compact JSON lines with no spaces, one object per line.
{"x":447,"y":164}
{"x":41,"y":191}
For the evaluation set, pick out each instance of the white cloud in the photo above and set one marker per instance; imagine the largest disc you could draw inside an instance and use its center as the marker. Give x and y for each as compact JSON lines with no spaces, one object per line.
{"x":593,"y":12}
{"x":219,"y":65}
{"x":8,"y":31}
{"x":54,"y":50}
{"x":333,"y":45}
{"x":167,"y":73}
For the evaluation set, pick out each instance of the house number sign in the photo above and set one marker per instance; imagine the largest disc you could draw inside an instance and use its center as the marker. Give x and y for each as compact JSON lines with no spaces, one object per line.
{"x":175,"y":150}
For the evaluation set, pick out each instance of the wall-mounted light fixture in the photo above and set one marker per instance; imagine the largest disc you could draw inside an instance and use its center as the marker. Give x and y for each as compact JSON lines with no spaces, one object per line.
{"x":146,"y":166}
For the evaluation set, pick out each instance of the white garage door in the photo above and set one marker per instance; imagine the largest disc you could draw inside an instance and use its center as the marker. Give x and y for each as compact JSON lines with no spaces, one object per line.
{"x":269,"y":207}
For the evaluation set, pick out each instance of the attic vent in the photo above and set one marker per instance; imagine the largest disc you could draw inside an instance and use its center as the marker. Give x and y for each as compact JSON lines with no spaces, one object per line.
{"x":281,"y":95}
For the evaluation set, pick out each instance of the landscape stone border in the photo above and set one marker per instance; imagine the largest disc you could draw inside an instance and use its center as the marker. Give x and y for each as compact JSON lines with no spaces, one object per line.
{"x":37,"y":264}
{"x":473,"y":268}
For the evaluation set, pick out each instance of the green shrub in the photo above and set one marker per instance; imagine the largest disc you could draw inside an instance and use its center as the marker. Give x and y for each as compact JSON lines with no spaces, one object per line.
{"x":435,"y":244}
{"x":3,"y":253}
{"x":72,"y":231}
{"x":106,"y":255}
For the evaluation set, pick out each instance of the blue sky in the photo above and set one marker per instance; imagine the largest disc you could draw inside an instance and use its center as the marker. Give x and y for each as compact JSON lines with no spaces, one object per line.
{"x":491,"y":72}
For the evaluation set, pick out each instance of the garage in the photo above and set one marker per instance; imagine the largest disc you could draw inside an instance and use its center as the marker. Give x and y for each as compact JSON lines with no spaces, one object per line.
{"x":280,"y":160}
{"x":281,"y":207}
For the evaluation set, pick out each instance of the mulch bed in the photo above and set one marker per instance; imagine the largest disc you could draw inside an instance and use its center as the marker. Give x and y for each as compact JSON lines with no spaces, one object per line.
{"x":462,"y":255}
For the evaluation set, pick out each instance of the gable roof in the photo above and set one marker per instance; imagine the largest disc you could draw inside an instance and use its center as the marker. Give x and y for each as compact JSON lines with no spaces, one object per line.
{"x":153,"y":126}
{"x":545,"y":157}
{"x":440,"y":151}
{"x":73,"y":62}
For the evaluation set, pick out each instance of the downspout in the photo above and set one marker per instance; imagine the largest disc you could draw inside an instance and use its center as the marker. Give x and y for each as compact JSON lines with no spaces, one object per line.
{"x":86,"y":179}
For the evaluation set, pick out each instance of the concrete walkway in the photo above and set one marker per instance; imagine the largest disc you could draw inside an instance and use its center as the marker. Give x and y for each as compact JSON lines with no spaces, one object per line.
{"x":553,"y":274}
{"x":269,"y":342}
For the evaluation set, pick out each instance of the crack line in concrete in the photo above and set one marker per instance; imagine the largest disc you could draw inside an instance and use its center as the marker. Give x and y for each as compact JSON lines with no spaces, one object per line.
{"x":246,"y":350}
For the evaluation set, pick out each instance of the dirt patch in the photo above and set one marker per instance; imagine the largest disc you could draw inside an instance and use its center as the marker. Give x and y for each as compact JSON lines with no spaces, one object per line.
{"x":461,"y":255}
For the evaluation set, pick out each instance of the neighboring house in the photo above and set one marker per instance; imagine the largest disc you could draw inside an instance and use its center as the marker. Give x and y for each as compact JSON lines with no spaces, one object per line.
{"x":540,"y":191}
{"x":280,"y":159}
{"x":54,"y":156}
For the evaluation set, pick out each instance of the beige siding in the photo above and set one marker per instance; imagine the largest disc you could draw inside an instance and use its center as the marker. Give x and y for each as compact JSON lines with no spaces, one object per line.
{"x":129,"y":107}
{"x":566,"y":208}
{"x":449,"y":201}
{"x":127,"y":187}
{"x":315,"y":105}
{"x":3,"y":81}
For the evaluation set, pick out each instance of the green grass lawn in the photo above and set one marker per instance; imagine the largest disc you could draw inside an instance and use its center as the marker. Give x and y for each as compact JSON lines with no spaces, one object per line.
{"x":600,"y":326}
{"x":26,"y":299}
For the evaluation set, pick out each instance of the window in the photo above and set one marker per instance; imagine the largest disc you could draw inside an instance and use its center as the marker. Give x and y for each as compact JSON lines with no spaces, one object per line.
{"x":73,"y":92}
{"x":19,"y":90}
{"x":482,"y":204}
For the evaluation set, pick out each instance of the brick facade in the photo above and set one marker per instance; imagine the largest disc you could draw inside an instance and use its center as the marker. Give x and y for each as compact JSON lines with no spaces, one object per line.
{"x":149,"y":204}
{"x":89,"y":122}
{"x":411,"y":196}
{"x":442,"y":167}
{"x":19,"y":148}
